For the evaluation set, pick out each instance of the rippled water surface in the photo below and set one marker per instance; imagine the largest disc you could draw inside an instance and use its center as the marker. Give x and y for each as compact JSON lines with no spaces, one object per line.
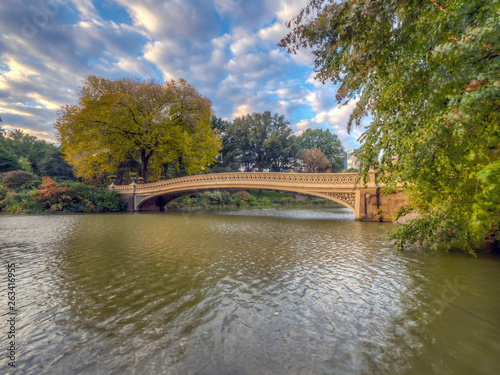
{"x":273,"y":291}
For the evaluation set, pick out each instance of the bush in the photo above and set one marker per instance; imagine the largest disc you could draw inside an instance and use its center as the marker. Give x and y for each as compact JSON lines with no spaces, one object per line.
{"x":30,"y":185}
{"x":20,"y":202}
{"x":3,"y":192}
{"x":243,"y":195}
{"x":252,"y":201}
{"x":16,"y":179}
{"x":265,"y":201}
{"x":214,"y":197}
{"x":287,"y":200}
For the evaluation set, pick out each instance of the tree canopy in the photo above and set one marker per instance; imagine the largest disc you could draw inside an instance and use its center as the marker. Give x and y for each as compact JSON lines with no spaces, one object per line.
{"x":426,"y":74}
{"x":256,"y":141}
{"x":314,"y":160}
{"x":129,"y":118}
{"x":327,"y":142}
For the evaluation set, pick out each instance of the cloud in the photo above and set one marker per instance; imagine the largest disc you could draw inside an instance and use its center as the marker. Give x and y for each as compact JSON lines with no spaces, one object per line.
{"x":225,"y":48}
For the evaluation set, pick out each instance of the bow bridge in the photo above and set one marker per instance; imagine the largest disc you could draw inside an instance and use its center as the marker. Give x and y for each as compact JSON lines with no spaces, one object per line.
{"x":364,"y":200}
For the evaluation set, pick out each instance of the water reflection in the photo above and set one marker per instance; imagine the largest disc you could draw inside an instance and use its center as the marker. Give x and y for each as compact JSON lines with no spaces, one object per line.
{"x":244,"y":292}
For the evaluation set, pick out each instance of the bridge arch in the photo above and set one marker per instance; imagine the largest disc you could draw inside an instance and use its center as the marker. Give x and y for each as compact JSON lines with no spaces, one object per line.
{"x":158,"y":201}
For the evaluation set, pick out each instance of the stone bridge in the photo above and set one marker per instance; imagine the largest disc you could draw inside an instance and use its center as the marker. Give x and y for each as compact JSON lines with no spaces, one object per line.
{"x":364,"y":200}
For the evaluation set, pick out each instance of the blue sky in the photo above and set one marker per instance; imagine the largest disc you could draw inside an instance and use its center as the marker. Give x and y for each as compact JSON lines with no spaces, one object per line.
{"x":227,"y":49}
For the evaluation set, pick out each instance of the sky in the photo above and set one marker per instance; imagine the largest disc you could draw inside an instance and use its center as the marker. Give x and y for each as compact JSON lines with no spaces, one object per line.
{"x":227,"y":49}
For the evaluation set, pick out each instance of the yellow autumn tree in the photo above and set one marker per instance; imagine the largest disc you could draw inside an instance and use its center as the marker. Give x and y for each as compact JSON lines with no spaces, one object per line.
{"x":116,"y":120}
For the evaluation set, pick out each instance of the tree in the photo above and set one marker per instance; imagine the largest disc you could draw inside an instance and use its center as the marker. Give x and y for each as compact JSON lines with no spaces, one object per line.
{"x":314,"y":160}
{"x":25,"y":164}
{"x":29,"y":148}
{"x":327,"y":142}
{"x":427,"y":74}
{"x":8,"y":159}
{"x":227,"y":160}
{"x":2,"y":130}
{"x":259,"y":141}
{"x":54,"y":165}
{"x":155,"y":123}
{"x":15,"y":179}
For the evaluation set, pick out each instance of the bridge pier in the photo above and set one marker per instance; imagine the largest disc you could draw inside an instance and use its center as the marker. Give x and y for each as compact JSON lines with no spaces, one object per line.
{"x":374,"y":205}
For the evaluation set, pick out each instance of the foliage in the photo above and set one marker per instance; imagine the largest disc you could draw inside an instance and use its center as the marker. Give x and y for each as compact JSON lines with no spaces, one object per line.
{"x":51,"y":195}
{"x":265,"y":201}
{"x":25,"y":164}
{"x":69,"y":196}
{"x":256,"y":142}
{"x":29,"y":148}
{"x":15,"y":179}
{"x":30,"y":185}
{"x":53,"y":164}
{"x":314,"y":160}
{"x":214,"y":196}
{"x":243,"y":195}
{"x":252,"y":201}
{"x":350,"y":170}
{"x":327,"y":142}
{"x":228,"y":158}
{"x":3,"y":192}
{"x":8,"y":159}
{"x":154,"y":123}
{"x":20,"y":203}
{"x":427,"y":74}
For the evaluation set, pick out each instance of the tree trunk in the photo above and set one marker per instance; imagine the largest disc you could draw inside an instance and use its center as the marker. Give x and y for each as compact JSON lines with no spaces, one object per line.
{"x":165,"y":169}
{"x":144,"y":160}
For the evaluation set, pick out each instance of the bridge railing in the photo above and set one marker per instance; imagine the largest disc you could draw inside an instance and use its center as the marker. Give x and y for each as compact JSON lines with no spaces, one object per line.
{"x":274,"y":178}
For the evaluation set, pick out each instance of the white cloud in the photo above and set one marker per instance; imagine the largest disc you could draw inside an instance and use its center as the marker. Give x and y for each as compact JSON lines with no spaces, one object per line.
{"x":226,"y":48}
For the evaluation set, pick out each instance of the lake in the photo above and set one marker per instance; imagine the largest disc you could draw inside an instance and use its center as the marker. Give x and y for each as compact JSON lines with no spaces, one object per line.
{"x":246,"y":291}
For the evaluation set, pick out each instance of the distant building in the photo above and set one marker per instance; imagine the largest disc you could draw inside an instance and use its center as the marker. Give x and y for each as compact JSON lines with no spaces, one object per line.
{"x":350,"y":160}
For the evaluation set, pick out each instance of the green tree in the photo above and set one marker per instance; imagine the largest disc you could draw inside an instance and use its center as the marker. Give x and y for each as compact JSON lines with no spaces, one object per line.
{"x":155,"y":123}
{"x":54,"y":165}
{"x":29,"y":148}
{"x":259,"y":141}
{"x":327,"y":142}
{"x":427,"y":74}
{"x":227,"y":160}
{"x":25,"y":164}
{"x":8,"y":159}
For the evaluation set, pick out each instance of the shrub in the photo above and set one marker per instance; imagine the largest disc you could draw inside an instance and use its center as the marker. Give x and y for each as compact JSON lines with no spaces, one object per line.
{"x":265,"y":201}
{"x":20,"y":202}
{"x":3,"y":192}
{"x":16,"y":179}
{"x":30,"y":185}
{"x":252,"y":201}
{"x":213,"y":196}
{"x":51,"y":195}
{"x":243,"y":195}
{"x":287,"y":200}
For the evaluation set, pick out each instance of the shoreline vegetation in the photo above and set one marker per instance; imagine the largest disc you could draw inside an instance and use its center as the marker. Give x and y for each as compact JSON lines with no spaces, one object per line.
{"x":244,"y":198}
{"x":24,"y":193}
